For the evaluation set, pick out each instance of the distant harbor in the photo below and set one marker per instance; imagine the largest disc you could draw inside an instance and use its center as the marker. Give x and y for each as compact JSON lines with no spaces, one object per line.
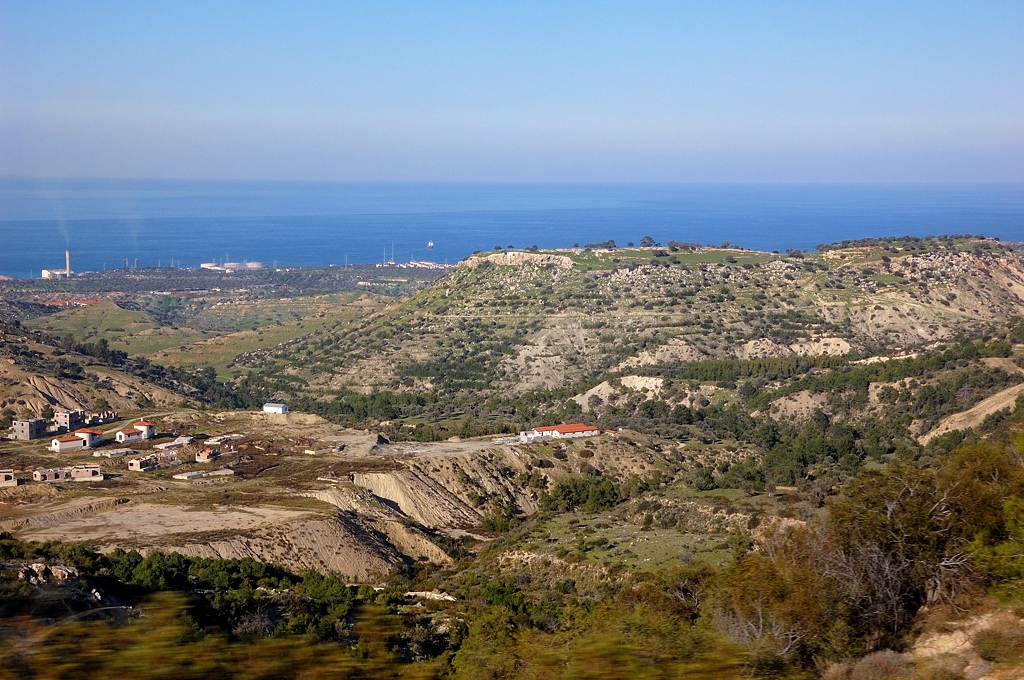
{"x":231,"y":266}
{"x":417,"y":264}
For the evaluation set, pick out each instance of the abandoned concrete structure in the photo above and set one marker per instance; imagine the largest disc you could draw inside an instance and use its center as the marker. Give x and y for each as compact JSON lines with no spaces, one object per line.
{"x":34,"y":428}
{"x":50,"y":475}
{"x":69,"y":420}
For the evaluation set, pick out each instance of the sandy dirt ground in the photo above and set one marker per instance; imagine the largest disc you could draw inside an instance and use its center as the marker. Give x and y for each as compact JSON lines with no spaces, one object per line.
{"x":798,"y":407}
{"x":650,"y":387}
{"x":974,"y":416}
{"x":674,"y":351}
{"x":107,"y":521}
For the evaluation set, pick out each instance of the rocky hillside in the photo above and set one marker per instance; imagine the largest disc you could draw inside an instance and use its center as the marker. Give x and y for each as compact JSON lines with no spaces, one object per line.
{"x":517,"y":322}
{"x":37,"y":374}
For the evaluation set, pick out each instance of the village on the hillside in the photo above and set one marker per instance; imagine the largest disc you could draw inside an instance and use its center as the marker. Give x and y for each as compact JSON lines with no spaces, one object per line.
{"x":76,"y":432}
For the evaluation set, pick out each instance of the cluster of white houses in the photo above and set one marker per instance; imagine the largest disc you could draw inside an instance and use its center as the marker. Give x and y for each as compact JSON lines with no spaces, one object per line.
{"x":87,"y":438}
{"x":141,"y":431}
{"x":84,"y":438}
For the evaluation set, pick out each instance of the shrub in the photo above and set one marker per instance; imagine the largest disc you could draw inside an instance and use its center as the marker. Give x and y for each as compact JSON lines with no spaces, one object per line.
{"x":1002,"y":641}
{"x":883,"y":665}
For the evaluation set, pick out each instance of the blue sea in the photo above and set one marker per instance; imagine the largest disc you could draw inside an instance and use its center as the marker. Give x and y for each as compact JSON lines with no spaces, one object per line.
{"x":184,"y":223}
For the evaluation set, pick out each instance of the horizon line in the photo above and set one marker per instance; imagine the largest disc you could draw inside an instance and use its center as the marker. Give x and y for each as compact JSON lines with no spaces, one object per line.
{"x":737,"y":183}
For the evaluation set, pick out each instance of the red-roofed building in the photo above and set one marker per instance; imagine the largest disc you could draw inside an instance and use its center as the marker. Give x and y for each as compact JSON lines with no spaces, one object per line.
{"x":90,"y":437}
{"x":147,"y":429}
{"x":128,"y":436}
{"x":559,"y":432}
{"x":65,"y":444}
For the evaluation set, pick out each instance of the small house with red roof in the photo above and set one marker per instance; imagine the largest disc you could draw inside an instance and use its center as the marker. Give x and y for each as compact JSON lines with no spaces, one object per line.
{"x":65,"y":444}
{"x":90,"y":437}
{"x":138,"y":432}
{"x":147,"y":429}
{"x":128,"y":436}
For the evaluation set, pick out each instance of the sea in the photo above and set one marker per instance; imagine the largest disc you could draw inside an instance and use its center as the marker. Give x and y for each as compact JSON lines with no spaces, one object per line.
{"x":159,"y":223}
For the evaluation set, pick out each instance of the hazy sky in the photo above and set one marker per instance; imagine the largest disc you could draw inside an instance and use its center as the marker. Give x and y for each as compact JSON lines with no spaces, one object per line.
{"x":525,"y":91}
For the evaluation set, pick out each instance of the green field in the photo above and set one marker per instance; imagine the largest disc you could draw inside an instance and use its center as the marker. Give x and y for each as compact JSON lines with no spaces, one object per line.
{"x":216,"y":334}
{"x":317,"y":315}
{"x":103,"y":320}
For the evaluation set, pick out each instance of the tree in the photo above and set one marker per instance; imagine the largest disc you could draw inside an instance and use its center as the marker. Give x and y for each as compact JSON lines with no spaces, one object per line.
{"x":647,"y":242}
{"x":1002,"y":561}
{"x":777,"y":603}
{"x":903,"y":538}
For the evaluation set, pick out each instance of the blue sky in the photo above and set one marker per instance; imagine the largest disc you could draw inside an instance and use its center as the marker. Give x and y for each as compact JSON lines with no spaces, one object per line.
{"x":514,"y":91}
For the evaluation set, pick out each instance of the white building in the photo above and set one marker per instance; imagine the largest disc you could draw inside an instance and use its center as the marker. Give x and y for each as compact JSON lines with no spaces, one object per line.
{"x":559,"y":432}
{"x":128,"y":436}
{"x":138,"y":432}
{"x":65,"y":444}
{"x":274,"y":407}
{"x":90,"y":437}
{"x":147,"y":429}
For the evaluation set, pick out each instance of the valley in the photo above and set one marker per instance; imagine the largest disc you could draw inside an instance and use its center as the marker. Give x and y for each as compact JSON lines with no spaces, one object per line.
{"x":742,"y":398}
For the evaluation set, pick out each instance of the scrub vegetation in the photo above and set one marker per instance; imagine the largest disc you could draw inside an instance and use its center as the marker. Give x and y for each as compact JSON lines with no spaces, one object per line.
{"x":812,"y":466}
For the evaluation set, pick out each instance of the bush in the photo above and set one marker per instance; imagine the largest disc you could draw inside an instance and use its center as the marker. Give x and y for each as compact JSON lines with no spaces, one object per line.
{"x":500,"y":518}
{"x":1002,"y":641}
{"x":883,"y":665}
{"x":589,"y":494}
